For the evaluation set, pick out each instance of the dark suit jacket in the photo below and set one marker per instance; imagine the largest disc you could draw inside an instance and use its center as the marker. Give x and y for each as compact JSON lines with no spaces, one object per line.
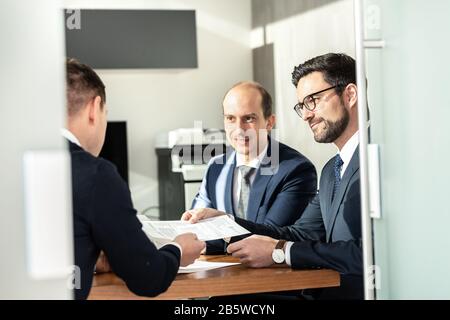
{"x":104,"y":219}
{"x":328,"y":235}
{"x":282,"y":188}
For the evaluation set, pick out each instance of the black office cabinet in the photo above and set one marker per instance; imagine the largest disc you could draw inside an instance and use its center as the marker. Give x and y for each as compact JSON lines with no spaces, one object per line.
{"x":170,"y":187}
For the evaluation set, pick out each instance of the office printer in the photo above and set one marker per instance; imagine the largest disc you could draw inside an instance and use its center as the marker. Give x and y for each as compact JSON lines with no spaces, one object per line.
{"x":183,"y":155}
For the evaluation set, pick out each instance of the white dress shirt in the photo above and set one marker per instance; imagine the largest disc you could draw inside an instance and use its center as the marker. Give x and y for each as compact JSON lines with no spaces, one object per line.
{"x":346,"y":154}
{"x":347,"y":151}
{"x":70,"y":136}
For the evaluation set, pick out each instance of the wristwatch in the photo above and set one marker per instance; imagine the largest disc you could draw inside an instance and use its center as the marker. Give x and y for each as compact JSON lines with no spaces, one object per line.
{"x":278,"y":253}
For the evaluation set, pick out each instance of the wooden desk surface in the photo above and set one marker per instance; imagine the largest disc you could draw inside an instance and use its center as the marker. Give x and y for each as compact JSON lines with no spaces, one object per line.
{"x":230,"y":280}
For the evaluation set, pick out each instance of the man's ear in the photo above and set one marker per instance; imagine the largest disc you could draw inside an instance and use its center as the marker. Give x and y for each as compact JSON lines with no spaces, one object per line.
{"x":351,"y":96}
{"x":94,"y":106}
{"x":270,"y":122}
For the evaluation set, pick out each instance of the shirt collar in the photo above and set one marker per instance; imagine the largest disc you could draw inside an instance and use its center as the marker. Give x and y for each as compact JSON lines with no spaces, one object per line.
{"x":255,"y":163}
{"x":349,"y":148}
{"x":70,"y":136}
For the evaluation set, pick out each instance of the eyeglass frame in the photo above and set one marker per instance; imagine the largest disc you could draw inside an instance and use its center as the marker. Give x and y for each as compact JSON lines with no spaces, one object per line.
{"x":298,"y":109}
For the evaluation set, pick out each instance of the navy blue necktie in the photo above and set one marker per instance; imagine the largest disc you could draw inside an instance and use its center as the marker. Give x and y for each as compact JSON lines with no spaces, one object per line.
{"x":337,"y":174}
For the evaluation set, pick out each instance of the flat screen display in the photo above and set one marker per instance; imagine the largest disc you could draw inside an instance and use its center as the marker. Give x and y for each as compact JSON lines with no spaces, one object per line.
{"x":111,"y":39}
{"x":115,"y":148}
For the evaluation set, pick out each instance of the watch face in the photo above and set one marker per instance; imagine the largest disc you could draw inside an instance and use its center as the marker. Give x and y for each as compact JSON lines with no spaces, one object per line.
{"x":278,"y":255}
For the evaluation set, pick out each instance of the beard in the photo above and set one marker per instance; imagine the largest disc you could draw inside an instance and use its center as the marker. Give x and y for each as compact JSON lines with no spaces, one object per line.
{"x":333,"y":129}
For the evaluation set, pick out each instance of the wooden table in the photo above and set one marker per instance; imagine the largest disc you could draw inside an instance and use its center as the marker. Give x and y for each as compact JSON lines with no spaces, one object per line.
{"x":231,"y":280}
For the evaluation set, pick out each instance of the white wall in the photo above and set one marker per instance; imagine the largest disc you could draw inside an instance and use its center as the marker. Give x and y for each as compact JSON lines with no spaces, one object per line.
{"x":154,"y":101}
{"x":296,"y":39}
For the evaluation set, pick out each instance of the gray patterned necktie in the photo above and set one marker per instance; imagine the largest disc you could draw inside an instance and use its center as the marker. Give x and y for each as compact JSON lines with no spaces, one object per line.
{"x":245,"y":191}
{"x":337,"y":174}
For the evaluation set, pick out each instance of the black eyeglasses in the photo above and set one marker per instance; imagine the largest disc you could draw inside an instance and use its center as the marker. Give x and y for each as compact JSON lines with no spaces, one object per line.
{"x":309,"y":102}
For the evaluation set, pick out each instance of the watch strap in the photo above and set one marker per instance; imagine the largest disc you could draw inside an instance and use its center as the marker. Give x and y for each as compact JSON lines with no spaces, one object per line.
{"x":280,"y":244}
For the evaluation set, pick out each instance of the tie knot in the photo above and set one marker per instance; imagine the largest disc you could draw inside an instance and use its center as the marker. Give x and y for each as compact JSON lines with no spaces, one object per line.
{"x":246,"y":171}
{"x":338,"y":162}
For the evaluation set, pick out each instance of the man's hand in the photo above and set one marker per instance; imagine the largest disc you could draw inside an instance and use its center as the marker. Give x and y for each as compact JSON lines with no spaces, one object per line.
{"x":196,"y":215}
{"x":191,"y":246}
{"x":102,"y":264}
{"x":255,"y":251}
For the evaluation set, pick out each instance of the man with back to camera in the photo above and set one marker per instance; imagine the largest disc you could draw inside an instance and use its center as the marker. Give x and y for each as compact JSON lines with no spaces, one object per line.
{"x":262,"y":180}
{"x":104,"y":217}
{"x":328,"y":235}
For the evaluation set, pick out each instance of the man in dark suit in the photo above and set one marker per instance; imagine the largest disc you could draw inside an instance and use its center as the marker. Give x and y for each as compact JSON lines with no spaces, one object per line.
{"x":260,"y":180}
{"x":328,"y":235}
{"x":103,"y":214}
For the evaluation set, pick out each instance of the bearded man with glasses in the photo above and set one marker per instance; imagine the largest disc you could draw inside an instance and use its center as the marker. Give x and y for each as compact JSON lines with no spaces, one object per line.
{"x":328,"y":234}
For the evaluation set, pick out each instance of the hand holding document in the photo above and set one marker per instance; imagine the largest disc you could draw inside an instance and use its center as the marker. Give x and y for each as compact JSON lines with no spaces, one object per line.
{"x":162,"y":232}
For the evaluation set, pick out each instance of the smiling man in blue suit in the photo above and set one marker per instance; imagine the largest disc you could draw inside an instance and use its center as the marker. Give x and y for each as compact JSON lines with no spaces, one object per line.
{"x":328,"y":234}
{"x":261,"y":180}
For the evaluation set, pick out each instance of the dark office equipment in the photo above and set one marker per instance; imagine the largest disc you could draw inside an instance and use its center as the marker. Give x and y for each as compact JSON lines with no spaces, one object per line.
{"x":115,"y":148}
{"x":109,"y":39}
{"x":173,"y":185}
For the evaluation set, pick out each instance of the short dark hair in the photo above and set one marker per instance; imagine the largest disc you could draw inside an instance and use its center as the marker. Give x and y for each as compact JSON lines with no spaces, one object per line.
{"x":83,"y":84}
{"x":338,"y":69}
{"x":266,"y":98}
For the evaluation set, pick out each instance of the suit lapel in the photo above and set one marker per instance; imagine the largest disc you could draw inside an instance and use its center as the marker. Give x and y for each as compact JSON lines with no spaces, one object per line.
{"x":257,"y":193}
{"x":229,"y":185}
{"x":267,"y":169}
{"x":326,"y":191}
{"x":352,"y":168}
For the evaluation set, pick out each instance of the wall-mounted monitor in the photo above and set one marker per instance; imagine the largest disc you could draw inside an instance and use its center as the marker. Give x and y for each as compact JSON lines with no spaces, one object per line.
{"x":111,"y":39}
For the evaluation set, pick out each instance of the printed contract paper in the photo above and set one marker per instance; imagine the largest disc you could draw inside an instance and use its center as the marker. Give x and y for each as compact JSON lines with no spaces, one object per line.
{"x":162,"y":232}
{"x":200,"y":265}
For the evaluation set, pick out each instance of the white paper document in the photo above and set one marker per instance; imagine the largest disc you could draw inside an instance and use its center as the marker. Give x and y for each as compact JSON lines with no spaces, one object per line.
{"x":199,"y":265}
{"x":161,"y":232}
